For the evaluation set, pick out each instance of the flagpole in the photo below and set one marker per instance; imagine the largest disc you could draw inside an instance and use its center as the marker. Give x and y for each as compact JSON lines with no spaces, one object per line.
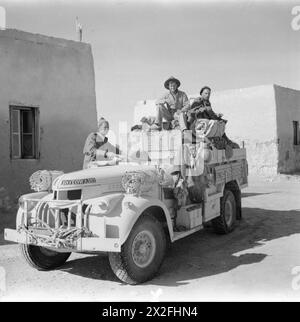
{"x":79,"y":29}
{"x":2,"y":18}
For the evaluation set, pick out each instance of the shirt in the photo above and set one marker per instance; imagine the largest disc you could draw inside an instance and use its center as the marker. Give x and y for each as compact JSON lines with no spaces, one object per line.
{"x":93,"y":142}
{"x":178,"y":101}
{"x":208,"y":113}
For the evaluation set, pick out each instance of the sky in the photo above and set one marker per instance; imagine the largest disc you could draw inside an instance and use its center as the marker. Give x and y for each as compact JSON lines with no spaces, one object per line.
{"x":137,"y":45}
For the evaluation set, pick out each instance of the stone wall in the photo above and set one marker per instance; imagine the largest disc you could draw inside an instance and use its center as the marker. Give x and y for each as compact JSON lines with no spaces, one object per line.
{"x":288,"y":110}
{"x":251,"y":115}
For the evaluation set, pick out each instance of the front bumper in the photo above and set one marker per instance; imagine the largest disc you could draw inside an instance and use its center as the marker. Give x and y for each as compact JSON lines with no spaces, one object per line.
{"x":41,"y":223}
{"x":83,"y":244}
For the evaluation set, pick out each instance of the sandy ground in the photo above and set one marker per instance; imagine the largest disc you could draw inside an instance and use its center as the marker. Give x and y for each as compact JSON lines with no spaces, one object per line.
{"x":258,"y":261}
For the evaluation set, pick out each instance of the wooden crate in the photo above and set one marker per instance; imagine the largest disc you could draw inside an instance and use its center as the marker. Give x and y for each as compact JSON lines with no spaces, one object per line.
{"x":229,"y":172}
{"x":162,"y":146}
{"x":189,"y":216}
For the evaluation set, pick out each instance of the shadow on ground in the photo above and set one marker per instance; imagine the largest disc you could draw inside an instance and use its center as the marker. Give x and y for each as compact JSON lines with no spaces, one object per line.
{"x":205,"y":253}
{"x":254,"y":194}
{"x":95,"y":267}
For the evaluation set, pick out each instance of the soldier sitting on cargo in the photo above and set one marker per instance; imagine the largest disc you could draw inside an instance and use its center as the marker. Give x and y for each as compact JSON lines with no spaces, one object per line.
{"x":97,"y":146}
{"x":172,"y":106}
{"x":201,"y":108}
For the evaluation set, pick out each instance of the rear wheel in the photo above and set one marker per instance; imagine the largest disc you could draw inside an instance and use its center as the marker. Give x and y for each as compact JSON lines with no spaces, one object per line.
{"x":142,"y":254}
{"x":43,"y":258}
{"x":225,"y":223}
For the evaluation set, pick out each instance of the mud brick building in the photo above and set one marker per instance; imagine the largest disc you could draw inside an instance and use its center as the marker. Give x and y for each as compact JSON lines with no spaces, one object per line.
{"x":47,"y":106}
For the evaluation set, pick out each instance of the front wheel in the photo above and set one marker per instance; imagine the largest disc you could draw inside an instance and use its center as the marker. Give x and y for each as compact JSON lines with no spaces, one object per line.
{"x":225,"y":223}
{"x":142,"y":254}
{"x":43,"y":258}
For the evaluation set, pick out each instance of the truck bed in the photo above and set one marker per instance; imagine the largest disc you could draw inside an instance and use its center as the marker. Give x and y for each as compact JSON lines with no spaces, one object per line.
{"x":163,"y":146}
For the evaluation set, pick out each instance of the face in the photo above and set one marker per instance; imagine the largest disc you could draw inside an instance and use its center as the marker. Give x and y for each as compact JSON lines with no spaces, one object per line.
{"x":206,"y":94}
{"x":103,"y":129}
{"x":173,"y":87}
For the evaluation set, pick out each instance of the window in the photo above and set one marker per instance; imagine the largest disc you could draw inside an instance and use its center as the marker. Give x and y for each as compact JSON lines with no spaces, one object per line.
{"x":296,"y":132}
{"x":23,"y":132}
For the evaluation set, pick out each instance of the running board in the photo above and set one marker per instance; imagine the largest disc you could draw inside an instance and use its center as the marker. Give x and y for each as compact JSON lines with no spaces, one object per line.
{"x":181,"y":234}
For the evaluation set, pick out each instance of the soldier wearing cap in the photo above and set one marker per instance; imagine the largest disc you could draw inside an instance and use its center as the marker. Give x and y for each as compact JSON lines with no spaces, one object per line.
{"x":173,"y":104}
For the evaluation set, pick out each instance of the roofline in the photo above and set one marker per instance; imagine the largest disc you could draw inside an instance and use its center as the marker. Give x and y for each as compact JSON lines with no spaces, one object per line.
{"x":286,"y":88}
{"x":39,"y":38}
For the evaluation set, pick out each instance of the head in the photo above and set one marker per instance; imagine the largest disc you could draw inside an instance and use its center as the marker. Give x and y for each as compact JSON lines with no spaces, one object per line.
{"x":205,"y":92}
{"x":103,"y":126}
{"x":173,"y":86}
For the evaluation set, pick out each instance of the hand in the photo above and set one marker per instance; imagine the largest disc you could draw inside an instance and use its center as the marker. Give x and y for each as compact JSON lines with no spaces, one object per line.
{"x":201,"y":109}
{"x":166,"y":104}
{"x":92,"y":165}
{"x":110,"y":155}
{"x":120,"y":157}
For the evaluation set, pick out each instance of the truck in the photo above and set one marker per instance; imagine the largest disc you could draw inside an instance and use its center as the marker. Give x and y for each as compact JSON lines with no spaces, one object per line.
{"x":132,"y":209}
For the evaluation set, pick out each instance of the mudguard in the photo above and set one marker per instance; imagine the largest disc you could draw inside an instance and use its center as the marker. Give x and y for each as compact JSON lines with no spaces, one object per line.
{"x":134,"y":207}
{"x":121,"y":213}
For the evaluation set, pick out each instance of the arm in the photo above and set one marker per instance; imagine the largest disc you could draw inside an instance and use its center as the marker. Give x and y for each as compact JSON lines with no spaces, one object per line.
{"x":91,"y":152}
{"x":161,"y":100}
{"x":196,"y":105}
{"x":101,"y":153}
{"x":185,"y":103}
{"x":89,"y":149}
{"x":212,"y":114}
{"x":112,"y":151}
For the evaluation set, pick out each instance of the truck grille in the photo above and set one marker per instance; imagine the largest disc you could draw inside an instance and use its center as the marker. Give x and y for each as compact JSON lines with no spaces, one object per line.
{"x":55,"y":213}
{"x":55,"y":223}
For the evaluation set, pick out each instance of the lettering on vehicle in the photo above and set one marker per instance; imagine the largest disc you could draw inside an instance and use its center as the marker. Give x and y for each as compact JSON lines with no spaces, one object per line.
{"x":78,"y":181}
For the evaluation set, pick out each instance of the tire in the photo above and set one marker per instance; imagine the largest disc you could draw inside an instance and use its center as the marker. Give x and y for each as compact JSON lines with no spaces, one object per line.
{"x":42,"y":258}
{"x":143,"y":252}
{"x":225,"y":223}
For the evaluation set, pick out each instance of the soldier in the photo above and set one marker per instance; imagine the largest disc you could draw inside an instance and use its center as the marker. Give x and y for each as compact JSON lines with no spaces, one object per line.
{"x":201,"y":107}
{"x":97,"y":146}
{"x":172,"y":105}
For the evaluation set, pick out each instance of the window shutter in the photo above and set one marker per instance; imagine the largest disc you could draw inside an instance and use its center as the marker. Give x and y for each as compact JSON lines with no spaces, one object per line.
{"x":15,"y":134}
